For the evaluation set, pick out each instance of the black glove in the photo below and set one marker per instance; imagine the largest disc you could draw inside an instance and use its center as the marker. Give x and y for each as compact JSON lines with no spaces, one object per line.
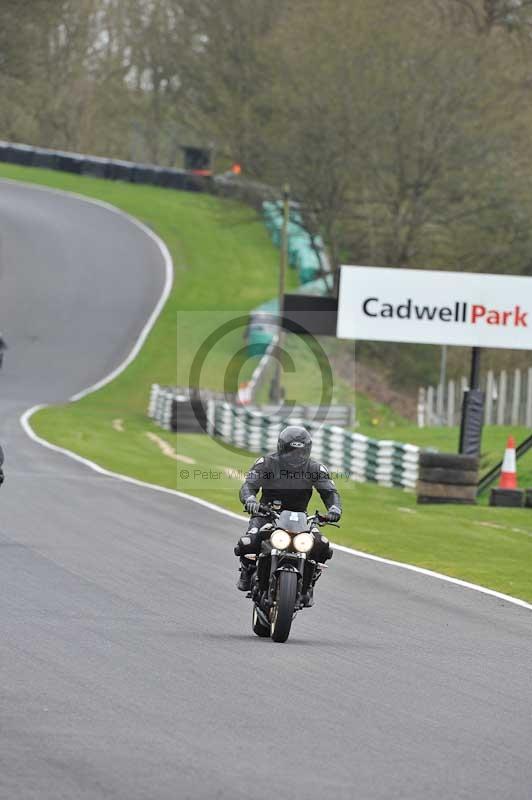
{"x":334,"y":513}
{"x":252,"y":505}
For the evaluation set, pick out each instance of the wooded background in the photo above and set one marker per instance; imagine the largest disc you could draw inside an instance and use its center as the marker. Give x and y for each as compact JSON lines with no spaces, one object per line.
{"x":403,"y":127}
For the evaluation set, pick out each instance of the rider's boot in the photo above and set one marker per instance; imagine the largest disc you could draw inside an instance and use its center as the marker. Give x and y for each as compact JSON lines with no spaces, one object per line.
{"x":309,"y":597}
{"x":246,"y":571}
{"x":317,"y":574}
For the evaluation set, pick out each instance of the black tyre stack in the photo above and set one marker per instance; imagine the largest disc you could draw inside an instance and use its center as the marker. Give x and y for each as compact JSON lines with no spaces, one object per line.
{"x":508,"y":498}
{"x":188,"y":415}
{"x":447,"y":478}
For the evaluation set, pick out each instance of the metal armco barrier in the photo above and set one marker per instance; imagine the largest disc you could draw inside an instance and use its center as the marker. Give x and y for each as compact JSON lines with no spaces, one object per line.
{"x":359,"y":457}
{"x":339,"y":415}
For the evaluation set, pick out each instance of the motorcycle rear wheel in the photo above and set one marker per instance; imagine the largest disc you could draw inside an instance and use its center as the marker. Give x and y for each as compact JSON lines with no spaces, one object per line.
{"x":283,"y":611}
{"x":258,"y":628}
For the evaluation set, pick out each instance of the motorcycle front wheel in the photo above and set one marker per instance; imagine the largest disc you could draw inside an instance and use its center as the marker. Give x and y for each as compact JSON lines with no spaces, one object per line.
{"x":259,"y":629}
{"x":283,"y":611}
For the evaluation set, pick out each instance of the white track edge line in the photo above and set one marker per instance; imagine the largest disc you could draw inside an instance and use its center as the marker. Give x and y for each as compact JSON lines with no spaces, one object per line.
{"x":168,"y":281}
{"x":24,"y":421}
{"x":169,"y":268}
{"x":431,"y":574}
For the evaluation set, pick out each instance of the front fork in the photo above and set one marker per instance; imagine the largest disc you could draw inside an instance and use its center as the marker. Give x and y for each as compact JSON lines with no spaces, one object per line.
{"x":285,"y":562}
{"x":264,"y":586}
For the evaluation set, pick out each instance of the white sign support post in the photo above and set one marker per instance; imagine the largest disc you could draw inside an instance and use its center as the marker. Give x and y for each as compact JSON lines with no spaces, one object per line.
{"x":436,"y":307}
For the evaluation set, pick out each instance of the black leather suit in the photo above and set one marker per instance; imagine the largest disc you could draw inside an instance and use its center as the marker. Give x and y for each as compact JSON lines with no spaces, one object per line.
{"x":293,"y":486}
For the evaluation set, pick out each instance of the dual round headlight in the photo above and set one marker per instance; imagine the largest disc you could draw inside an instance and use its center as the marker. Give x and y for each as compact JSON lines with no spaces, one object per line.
{"x":302,"y":542}
{"x":280,"y":540}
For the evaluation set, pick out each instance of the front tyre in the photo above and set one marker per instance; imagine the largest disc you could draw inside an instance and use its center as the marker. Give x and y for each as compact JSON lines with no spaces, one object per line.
{"x":259,"y":629}
{"x":283,"y":611}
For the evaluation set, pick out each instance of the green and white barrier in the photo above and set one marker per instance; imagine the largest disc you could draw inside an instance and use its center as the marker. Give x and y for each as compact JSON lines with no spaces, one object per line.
{"x":160,"y":405}
{"x":359,"y":457}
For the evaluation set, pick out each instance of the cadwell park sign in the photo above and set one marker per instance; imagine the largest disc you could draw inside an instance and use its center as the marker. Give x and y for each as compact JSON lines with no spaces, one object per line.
{"x":432,"y":307}
{"x":383,"y":304}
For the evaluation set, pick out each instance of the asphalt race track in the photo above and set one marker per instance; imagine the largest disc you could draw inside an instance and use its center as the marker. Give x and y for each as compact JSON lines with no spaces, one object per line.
{"x":127,"y":665}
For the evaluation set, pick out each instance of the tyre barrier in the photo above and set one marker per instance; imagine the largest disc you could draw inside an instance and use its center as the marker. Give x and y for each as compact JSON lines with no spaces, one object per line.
{"x":353,"y":455}
{"x":177,"y":411}
{"x":508,"y":498}
{"x":160,"y":407}
{"x":110,"y":169}
{"x":447,"y":478}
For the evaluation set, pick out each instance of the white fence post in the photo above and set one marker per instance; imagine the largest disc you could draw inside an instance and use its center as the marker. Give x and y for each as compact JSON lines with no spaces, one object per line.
{"x":516,"y":399}
{"x":528,"y":412}
{"x":421,"y":407}
{"x":508,"y":400}
{"x":501,"y":406}
{"x":430,"y":405}
{"x":440,"y":391}
{"x":489,"y":397}
{"x":450,"y":404}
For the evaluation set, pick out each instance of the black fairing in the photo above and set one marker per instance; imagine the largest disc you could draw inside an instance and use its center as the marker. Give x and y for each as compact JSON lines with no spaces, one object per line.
{"x":292,"y":521}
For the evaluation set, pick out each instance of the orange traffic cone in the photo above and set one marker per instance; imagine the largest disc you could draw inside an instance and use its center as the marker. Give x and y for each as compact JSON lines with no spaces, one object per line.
{"x":509,"y":471}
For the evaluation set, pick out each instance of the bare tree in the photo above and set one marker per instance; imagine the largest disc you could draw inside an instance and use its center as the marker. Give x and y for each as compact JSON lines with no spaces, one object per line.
{"x":232,"y":83}
{"x":395,"y":134}
{"x":487,"y":15}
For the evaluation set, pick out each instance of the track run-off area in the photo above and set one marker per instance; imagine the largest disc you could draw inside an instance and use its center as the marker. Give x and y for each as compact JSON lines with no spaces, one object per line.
{"x":127,"y":664}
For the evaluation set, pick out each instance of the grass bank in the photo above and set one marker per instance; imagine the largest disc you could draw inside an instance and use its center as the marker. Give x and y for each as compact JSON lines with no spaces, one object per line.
{"x":225,"y":263}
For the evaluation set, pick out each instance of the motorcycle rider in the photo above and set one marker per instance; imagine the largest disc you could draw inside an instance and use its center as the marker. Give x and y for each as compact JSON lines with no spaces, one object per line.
{"x":289,"y":476}
{"x":3,"y":348}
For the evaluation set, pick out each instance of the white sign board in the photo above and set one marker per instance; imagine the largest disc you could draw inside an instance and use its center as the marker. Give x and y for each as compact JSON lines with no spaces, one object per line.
{"x":410,"y":305}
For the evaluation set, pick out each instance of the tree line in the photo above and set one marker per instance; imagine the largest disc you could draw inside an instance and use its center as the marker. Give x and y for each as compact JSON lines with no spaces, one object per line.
{"x":402,"y":127}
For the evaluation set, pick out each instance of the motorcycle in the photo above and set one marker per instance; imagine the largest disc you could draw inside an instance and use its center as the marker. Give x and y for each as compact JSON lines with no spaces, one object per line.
{"x":284,"y":578}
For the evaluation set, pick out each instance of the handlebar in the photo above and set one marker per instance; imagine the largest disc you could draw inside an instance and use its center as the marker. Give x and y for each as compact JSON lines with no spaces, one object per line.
{"x":321,"y":520}
{"x":317,"y":518}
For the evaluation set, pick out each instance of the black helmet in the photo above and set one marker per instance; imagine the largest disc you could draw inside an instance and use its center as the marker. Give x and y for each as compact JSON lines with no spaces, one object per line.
{"x":294,"y":445}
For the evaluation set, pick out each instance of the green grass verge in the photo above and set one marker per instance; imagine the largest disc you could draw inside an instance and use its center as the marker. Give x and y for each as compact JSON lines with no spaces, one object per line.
{"x":492,"y":547}
{"x":225,"y":263}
